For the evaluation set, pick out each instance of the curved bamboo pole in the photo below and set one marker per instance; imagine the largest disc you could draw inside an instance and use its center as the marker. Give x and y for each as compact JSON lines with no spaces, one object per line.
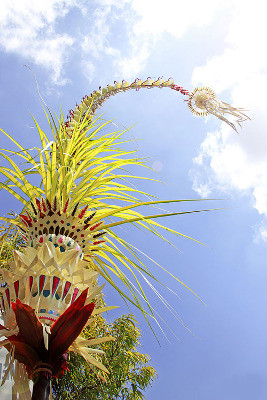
{"x":201,"y":102}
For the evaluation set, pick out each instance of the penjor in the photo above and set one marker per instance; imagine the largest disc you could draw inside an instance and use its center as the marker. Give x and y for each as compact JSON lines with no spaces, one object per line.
{"x":50,"y":292}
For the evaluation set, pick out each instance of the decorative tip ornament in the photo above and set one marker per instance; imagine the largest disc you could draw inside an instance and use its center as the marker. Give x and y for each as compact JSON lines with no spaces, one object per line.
{"x":203,"y":101}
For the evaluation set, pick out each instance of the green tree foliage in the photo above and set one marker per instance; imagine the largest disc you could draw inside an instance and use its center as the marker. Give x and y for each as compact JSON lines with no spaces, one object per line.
{"x":130,"y":372}
{"x":9,"y":241}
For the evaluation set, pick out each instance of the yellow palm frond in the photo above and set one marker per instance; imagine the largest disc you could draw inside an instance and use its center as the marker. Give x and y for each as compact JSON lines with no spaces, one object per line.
{"x":87,"y":168}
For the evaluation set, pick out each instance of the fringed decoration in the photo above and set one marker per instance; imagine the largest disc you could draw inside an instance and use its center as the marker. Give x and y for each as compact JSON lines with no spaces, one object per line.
{"x":203,"y":101}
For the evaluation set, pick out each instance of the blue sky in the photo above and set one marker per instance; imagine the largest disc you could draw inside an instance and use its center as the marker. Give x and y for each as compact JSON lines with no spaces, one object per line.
{"x":73,"y":47}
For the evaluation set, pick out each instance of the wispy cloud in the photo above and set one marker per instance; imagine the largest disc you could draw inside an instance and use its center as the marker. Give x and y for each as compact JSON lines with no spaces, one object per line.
{"x":260,"y":233}
{"x":149,"y":21}
{"x":28,"y":29}
{"x":38,"y":32}
{"x":144,"y":24}
{"x":232,"y":162}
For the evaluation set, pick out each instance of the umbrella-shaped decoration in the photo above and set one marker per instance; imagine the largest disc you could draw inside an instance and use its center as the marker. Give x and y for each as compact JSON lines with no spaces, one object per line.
{"x":65,"y":222}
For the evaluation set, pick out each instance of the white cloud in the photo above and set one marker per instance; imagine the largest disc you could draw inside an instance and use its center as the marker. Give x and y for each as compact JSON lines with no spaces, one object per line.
{"x":145,"y":22}
{"x":260,"y":233}
{"x":173,"y":16}
{"x":152,"y":20}
{"x":238,"y":162}
{"x":129,"y":67}
{"x":94,"y":42}
{"x":28,"y":29}
{"x":33,"y":30}
{"x":88,"y":69}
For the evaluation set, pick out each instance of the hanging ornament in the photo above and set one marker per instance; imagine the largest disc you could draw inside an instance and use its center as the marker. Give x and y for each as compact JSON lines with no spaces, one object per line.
{"x":203,"y":101}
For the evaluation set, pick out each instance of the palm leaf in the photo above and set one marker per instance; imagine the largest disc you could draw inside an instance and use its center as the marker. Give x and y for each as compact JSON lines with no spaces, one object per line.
{"x":89,"y":167}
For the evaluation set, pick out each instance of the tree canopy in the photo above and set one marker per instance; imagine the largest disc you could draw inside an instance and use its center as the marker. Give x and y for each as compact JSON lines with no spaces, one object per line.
{"x":130,"y":370}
